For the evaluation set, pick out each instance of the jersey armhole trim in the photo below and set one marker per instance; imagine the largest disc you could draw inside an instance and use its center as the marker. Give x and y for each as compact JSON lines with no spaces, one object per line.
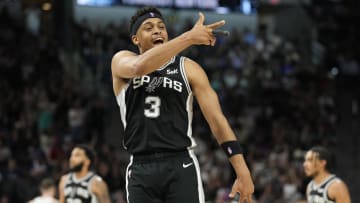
{"x":183,"y":74}
{"x":120,"y":98}
{"x":329,"y":182}
{"x":167,"y":63}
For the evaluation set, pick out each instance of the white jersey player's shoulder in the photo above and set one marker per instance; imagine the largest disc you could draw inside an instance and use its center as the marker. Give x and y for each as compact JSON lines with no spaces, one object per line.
{"x":44,"y":200}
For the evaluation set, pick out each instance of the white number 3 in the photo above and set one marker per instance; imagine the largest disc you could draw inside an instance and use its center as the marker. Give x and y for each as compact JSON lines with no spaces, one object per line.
{"x":154,"y":110}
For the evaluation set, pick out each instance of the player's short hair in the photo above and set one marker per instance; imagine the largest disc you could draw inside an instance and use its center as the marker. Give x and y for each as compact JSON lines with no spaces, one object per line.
{"x":325,"y":154}
{"x":141,"y":15}
{"x":47,"y":183}
{"x":90,"y":154}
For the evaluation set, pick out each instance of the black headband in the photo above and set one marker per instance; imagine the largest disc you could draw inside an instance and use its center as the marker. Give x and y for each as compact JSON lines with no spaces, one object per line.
{"x":141,"y":19}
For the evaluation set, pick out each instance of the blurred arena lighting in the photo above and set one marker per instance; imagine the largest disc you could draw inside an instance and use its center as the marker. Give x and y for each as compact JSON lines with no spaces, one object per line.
{"x":96,"y":2}
{"x":46,"y":6}
{"x":222,"y":10}
{"x":334,"y":71}
{"x":246,"y":7}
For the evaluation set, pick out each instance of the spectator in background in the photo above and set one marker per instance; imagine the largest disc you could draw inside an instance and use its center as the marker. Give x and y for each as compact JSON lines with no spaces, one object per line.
{"x":76,"y":118}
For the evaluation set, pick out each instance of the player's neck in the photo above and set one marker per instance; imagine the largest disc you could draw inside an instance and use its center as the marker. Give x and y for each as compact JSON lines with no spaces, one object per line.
{"x":321,"y":177}
{"x":81,"y":174}
{"x":48,"y":194}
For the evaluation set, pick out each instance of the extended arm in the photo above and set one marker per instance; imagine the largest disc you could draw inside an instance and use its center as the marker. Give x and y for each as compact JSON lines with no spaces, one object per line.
{"x":126,"y":64}
{"x":210,"y":107}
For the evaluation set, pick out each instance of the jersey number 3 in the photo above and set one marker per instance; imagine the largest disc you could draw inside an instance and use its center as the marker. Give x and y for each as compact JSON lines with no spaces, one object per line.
{"x":154,"y":110}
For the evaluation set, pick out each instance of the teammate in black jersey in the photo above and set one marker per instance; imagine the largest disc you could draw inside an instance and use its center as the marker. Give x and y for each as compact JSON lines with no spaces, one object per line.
{"x":324,"y":186}
{"x":82,"y":185}
{"x":154,"y":90}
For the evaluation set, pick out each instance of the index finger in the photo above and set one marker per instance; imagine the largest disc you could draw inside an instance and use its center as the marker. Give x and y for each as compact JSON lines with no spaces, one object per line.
{"x":216,"y":24}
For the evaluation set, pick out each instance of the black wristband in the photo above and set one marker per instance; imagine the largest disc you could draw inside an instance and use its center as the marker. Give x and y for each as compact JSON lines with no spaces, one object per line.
{"x":231,"y":148}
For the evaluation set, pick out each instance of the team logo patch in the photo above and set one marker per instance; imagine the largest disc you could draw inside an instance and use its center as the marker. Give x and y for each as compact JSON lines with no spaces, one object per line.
{"x":151,"y":84}
{"x":155,"y":82}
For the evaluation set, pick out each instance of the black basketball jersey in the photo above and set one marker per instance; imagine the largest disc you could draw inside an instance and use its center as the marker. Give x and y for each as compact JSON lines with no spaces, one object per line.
{"x":319,"y":193}
{"x":78,"y":190}
{"x":156,"y":110}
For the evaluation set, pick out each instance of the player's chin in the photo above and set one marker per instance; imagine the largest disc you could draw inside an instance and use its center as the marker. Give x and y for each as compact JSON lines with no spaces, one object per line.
{"x":307,"y":173}
{"x":157,"y":44}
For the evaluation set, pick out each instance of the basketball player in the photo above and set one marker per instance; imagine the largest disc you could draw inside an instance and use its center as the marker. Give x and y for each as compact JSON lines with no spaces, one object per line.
{"x":155,"y":90}
{"x":82,"y":185}
{"x":324,"y":186}
{"x":48,"y":191}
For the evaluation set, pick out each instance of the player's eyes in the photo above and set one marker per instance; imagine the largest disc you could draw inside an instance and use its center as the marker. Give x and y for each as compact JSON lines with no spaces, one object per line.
{"x":148,"y":27}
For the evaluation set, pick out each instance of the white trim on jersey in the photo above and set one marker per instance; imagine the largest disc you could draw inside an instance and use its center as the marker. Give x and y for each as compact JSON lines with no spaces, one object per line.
{"x":127,"y":178}
{"x":120,"y":98}
{"x":189,"y":109}
{"x":168,"y":63}
{"x":189,"y":102}
{"x":198,"y":174}
{"x":183,"y":73}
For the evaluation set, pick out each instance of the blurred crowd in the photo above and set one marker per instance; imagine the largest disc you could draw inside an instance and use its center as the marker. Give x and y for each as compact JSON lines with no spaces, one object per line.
{"x":278,"y":103}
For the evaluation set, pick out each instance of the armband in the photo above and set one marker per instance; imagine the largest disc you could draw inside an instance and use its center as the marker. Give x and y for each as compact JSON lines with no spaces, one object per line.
{"x":231,"y":148}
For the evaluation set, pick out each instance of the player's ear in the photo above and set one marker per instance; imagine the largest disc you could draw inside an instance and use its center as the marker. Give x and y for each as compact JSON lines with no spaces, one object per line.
{"x":323,"y":162}
{"x":88,"y":162}
{"x":135,"y":39}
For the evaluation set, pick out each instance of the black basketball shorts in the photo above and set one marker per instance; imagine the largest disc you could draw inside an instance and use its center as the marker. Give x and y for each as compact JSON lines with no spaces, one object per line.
{"x":171,"y":177}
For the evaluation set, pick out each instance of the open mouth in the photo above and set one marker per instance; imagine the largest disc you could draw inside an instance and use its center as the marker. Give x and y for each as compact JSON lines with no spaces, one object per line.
{"x":158,"y":41}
